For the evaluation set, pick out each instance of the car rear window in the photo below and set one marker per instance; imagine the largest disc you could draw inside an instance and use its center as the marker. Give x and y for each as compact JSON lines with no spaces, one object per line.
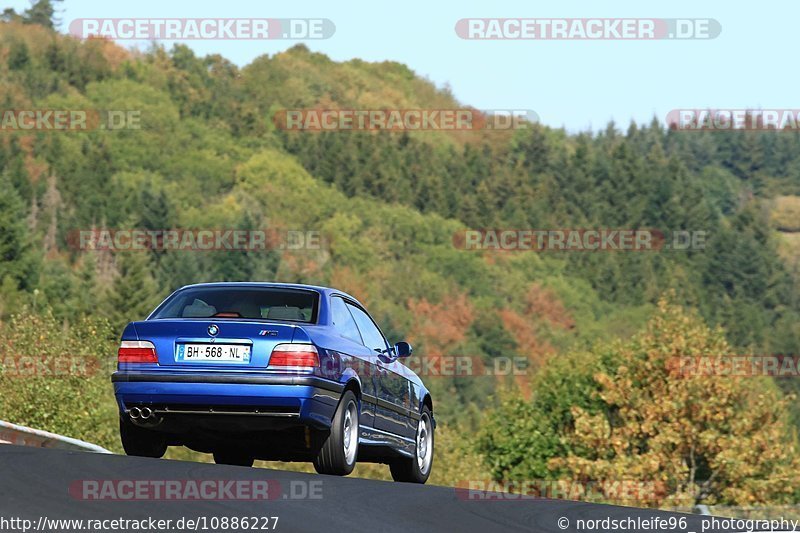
{"x":256,"y":303}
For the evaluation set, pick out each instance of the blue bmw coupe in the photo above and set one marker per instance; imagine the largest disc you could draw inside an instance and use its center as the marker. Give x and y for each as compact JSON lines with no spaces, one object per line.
{"x":271,"y":371}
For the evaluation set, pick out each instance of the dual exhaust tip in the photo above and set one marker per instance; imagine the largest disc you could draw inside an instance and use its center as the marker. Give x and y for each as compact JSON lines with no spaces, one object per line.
{"x":140,"y":413}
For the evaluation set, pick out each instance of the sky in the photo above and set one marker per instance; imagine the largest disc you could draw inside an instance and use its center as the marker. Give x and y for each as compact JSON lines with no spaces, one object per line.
{"x":578,"y":85}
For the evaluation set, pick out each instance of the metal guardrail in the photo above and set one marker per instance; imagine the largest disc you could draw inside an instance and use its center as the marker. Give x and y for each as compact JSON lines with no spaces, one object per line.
{"x":762,"y":512}
{"x":25,"y":436}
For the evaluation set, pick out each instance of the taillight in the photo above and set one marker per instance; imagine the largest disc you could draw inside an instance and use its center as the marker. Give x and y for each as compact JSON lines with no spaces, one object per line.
{"x":137,"y":352}
{"x":294,"y":355}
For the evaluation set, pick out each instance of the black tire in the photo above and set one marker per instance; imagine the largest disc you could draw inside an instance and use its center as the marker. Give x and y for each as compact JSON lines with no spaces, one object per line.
{"x":338,"y":456}
{"x":408,"y":469}
{"x":141,"y":442}
{"x":233,"y":457}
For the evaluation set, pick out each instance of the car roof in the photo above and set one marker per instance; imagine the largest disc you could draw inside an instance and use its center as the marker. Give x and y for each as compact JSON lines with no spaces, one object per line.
{"x":318,"y":288}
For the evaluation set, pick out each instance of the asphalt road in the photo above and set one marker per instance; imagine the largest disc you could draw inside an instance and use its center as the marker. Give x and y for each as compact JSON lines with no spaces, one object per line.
{"x":55,"y":484}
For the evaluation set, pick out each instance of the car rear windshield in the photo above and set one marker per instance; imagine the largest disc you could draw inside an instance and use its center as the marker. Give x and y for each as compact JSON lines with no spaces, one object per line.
{"x":256,"y":303}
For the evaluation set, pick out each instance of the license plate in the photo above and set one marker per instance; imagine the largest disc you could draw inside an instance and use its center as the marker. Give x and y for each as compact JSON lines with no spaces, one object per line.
{"x":213,"y":353}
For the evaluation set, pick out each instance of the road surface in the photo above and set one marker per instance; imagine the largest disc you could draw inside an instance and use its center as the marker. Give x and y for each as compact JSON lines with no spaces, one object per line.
{"x":46,"y":484}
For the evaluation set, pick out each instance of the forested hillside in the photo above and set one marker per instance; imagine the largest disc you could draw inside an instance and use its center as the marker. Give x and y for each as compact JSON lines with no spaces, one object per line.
{"x":388,"y":204}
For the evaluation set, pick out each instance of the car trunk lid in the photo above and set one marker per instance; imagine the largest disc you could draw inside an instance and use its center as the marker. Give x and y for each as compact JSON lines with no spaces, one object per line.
{"x":241,"y":344}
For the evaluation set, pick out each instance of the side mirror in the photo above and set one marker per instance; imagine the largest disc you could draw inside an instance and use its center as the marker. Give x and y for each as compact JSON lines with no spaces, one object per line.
{"x":402,"y":349}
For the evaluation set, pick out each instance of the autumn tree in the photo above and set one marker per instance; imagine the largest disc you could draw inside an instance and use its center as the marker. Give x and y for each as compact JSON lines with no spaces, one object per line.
{"x":642,"y":418}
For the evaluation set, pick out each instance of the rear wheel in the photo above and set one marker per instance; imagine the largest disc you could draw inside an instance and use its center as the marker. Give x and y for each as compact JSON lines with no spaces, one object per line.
{"x":338,"y":453}
{"x":233,"y":457}
{"x":141,"y":442}
{"x":417,"y":469}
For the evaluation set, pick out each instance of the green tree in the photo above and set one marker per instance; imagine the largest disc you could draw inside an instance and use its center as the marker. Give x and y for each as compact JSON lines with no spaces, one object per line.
{"x":41,"y":12}
{"x":134,"y":292}
{"x":19,"y":262}
{"x":18,"y":56}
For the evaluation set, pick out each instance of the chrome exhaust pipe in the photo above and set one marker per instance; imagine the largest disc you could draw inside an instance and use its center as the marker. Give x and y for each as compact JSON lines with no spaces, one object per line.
{"x":135,"y":413}
{"x":146,"y":413}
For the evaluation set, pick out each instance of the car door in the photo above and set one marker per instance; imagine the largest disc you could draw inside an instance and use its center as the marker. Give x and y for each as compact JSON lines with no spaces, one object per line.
{"x":357,"y":356}
{"x":393,"y":391}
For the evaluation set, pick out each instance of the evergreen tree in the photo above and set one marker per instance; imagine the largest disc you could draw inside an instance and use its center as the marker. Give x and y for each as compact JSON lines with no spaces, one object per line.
{"x":134,"y":292}
{"x":42,"y":12}
{"x":19,"y":262}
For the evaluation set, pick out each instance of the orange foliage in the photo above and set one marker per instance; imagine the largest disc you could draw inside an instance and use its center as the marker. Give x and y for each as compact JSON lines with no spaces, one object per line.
{"x":523,"y":329}
{"x":114,"y":54}
{"x":440,"y":326}
{"x":346,"y":279}
{"x":543,"y":302}
{"x":33,"y":166}
{"x":301,"y":266}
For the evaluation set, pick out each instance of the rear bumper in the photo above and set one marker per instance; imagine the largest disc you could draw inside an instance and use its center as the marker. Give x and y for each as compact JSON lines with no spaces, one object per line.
{"x":306,"y":400}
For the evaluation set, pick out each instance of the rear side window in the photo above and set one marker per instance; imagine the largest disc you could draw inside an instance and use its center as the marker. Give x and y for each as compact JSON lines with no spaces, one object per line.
{"x":373,"y":338}
{"x":343,"y":320}
{"x":254,"y":303}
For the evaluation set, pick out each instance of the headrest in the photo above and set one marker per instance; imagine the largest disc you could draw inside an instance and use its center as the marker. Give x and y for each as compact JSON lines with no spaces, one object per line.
{"x":199,"y":309}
